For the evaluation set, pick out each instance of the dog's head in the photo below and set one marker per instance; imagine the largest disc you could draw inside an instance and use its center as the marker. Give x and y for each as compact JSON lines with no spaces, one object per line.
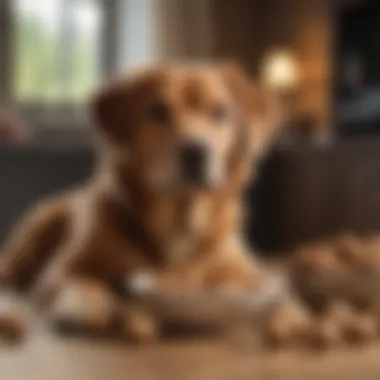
{"x":183,"y":126}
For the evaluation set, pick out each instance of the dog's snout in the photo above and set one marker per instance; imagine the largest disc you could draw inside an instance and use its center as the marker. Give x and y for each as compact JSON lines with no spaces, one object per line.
{"x":193,"y":154}
{"x":193,"y":157}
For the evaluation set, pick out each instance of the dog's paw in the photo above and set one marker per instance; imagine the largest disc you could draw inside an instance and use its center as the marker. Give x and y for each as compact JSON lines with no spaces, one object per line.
{"x":83,"y":307}
{"x":139,"y":326}
{"x":14,"y":319}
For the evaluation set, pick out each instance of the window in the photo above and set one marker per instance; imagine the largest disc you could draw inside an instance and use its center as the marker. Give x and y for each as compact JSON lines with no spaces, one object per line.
{"x":53,"y":52}
{"x":56,"y":50}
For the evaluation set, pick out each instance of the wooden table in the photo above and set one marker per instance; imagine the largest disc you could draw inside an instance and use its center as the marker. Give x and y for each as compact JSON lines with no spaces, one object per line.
{"x":47,"y":358}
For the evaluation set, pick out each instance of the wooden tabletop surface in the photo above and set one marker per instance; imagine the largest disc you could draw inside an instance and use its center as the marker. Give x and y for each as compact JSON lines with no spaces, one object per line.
{"x":48,"y":358}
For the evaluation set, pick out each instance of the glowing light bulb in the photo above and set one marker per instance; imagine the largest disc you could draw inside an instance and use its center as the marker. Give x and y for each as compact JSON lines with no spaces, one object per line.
{"x":280,"y":70}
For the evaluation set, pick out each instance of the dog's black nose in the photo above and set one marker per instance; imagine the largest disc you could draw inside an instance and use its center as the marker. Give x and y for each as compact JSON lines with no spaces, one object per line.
{"x":193,"y":157}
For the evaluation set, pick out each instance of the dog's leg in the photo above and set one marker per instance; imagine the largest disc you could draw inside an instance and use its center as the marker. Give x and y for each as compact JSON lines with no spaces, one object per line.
{"x":87,"y":306}
{"x":15,"y":318}
{"x":55,"y":289}
{"x":77,"y":288}
{"x":25,"y":254}
{"x":83,"y":305}
{"x":138,"y":324}
{"x":31,"y":242}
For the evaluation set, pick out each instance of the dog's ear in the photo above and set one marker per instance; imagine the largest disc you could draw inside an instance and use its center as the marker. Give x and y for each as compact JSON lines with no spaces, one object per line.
{"x":260,"y":110}
{"x":109,"y":111}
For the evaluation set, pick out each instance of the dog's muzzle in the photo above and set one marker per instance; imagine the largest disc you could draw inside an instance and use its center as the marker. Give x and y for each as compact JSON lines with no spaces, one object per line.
{"x":193,"y":161}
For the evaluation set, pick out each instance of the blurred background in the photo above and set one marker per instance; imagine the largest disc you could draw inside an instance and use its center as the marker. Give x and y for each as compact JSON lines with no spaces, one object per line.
{"x":322,"y":56}
{"x":54,"y":52}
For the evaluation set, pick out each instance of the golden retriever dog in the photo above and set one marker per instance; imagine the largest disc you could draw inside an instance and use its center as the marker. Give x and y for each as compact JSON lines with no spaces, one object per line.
{"x":177,"y":145}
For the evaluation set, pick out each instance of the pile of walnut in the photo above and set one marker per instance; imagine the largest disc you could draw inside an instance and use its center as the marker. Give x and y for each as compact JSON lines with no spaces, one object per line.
{"x":336,"y":300}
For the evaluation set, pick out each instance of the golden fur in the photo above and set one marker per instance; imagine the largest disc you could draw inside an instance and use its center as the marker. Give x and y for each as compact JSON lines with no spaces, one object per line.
{"x":72,"y":255}
{"x":136,"y":213}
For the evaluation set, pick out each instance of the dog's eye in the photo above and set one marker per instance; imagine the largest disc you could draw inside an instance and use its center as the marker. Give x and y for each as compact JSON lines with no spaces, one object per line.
{"x":219,"y":113}
{"x":159,"y":113}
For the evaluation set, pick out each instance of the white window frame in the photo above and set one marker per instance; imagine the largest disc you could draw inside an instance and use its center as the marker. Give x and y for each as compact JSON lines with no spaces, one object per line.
{"x":64,"y":114}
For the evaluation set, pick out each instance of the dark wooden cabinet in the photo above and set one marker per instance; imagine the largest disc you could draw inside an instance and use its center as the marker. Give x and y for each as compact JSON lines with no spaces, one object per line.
{"x":357,"y":68}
